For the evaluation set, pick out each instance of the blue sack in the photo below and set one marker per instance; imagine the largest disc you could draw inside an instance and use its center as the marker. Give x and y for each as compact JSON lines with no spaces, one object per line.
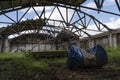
{"x":75,"y":57}
{"x":94,"y":57}
{"x":100,"y":53}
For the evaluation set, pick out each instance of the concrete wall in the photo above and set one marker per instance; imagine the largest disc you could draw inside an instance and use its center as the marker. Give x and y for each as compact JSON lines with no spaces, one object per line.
{"x":32,"y":47}
{"x":103,"y":39}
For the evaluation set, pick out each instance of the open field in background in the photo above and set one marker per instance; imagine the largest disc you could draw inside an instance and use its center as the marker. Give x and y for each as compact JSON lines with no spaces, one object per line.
{"x":15,"y":66}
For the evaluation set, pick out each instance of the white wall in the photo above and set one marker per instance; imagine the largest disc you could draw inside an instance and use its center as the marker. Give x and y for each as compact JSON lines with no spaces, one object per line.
{"x":32,"y":47}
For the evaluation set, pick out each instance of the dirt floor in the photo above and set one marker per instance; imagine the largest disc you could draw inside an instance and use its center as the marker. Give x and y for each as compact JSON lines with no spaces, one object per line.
{"x":60,"y":71}
{"x":110,"y":71}
{"x":88,"y":74}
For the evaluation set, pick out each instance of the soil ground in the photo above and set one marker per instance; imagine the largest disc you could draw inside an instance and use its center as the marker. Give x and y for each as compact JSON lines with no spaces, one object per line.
{"x":58,"y":70}
{"x":111,"y":71}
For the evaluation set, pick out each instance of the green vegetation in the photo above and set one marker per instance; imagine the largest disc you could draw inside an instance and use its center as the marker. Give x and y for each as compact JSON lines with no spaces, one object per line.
{"x":11,"y":55}
{"x":113,"y":54}
{"x":22,"y":66}
{"x":113,"y":58}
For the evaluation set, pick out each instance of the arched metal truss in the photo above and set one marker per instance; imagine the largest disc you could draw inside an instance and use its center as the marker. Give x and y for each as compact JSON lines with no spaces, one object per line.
{"x":70,"y":25}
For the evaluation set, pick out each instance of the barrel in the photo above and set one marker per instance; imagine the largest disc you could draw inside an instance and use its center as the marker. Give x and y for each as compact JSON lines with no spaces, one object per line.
{"x":79,"y":58}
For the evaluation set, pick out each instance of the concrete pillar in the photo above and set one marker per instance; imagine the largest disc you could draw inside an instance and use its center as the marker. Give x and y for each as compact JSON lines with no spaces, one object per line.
{"x":115,"y":40}
{"x":91,"y":43}
{"x":6,"y":44}
{"x":78,"y":43}
{"x":56,"y":46}
{"x":110,"y":40}
{"x":38,"y":46}
{"x":0,"y":45}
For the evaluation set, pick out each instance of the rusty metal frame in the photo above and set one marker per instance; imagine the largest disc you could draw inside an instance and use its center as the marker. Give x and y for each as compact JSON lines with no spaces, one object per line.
{"x":84,"y":20}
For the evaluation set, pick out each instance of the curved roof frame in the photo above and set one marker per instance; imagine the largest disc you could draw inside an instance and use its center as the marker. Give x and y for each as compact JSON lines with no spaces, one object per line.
{"x":12,"y":7}
{"x":81,"y":21}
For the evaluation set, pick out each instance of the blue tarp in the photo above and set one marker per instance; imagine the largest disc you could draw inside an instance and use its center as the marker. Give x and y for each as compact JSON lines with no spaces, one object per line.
{"x":100,"y":53}
{"x":78,"y":58}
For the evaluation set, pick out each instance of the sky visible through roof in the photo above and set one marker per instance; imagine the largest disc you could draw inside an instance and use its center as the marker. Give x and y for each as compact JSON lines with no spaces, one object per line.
{"x":112,"y":21}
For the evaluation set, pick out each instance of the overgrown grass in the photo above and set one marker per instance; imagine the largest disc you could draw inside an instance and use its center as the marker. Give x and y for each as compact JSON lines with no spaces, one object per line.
{"x":113,"y":54}
{"x":10,"y":55}
{"x":18,"y":65}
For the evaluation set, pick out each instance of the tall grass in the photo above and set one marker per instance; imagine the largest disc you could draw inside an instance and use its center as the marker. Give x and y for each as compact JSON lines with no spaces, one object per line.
{"x":113,"y":54}
{"x":17,"y":65}
{"x":10,"y":55}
